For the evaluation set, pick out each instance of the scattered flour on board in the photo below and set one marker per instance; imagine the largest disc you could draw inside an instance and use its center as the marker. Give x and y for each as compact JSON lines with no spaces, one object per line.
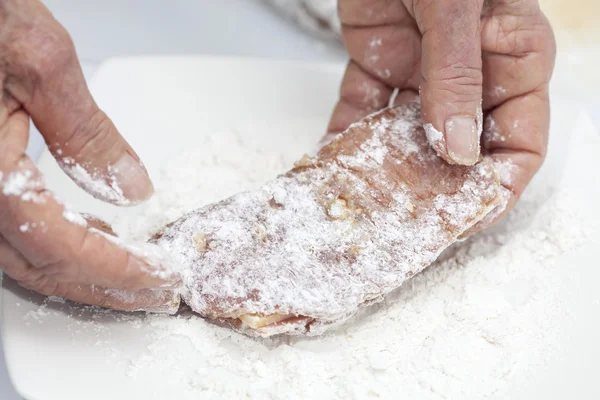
{"x":470,"y":326}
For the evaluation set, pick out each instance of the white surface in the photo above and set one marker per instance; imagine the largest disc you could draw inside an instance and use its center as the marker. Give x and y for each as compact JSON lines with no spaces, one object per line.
{"x":6,"y":388}
{"x":53,"y":347}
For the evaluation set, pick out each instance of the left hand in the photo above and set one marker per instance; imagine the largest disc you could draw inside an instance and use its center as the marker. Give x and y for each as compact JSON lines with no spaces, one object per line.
{"x":43,"y":246}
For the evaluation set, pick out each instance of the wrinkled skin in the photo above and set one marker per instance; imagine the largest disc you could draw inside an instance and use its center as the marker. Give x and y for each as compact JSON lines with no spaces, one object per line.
{"x":459,"y":54}
{"x":41,"y":79}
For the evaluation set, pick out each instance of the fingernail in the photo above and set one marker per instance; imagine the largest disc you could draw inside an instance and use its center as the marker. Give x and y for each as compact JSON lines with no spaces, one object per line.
{"x":148,"y":300}
{"x":169,"y":303}
{"x":132,"y":178}
{"x":155,"y":276}
{"x":462,"y":140}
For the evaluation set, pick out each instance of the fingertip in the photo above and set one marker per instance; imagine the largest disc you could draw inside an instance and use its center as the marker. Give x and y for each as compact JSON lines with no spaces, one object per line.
{"x":459,"y":142}
{"x":124,"y":183}
{"x":169,"y":304}
{"x":148,"y":300}
{"x":144,"y":266}
{"x":151,"y":273}
{"x":132,"y":179}
{"x":462,"y":139}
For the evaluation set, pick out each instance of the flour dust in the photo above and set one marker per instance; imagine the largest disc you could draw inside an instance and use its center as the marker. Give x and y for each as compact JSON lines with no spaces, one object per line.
{"x":475,"y":323}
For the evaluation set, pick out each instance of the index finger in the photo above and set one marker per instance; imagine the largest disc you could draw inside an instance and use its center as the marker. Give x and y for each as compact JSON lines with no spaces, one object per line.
{"x":59,"y":242}
{"x":43,"y":75}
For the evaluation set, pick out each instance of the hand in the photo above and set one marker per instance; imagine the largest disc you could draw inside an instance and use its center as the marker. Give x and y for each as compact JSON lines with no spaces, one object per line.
{"x":44,"y":246}
{"x":469,"y":59}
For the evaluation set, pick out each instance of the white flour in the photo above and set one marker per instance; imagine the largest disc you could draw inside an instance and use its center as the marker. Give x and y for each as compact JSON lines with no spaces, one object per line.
{"x":463,"y":329}
{"x":468,"y":327}
{"x":475,"y":324}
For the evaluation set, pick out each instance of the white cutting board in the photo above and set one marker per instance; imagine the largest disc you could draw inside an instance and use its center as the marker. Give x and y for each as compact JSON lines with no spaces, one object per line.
{"x":164,"y":105}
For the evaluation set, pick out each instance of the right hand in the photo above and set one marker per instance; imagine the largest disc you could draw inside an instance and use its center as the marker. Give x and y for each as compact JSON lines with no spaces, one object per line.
{"x":39,"y":248}
{"x":471,"y":60}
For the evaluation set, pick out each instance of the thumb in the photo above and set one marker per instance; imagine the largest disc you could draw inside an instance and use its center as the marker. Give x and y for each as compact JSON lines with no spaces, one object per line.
{"x":451,"y":91}
{"x":83,"y":139}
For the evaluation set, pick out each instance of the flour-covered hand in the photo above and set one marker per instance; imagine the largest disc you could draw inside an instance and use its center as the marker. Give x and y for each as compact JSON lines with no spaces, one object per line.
{"x":480,"y":67}
{"x":43,"y":245}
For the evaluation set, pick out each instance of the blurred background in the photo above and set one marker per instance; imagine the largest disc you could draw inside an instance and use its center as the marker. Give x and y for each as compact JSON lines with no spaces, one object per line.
{"x":278,"y":29}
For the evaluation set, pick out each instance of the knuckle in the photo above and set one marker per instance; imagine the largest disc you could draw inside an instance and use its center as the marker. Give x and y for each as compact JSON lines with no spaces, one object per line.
{"x":448,"y":9}
{"x":51,"y":51}
{"x":40,"y":48}
{"x":35,"y":47}
{"x":92,"y":135}
{"x":40,"y":283}
{"x":521,"y":35}
{"x":457,"y":80}
{"x":61,"y":262}
{"x":58,"y":270}
{"x":459,"y":72}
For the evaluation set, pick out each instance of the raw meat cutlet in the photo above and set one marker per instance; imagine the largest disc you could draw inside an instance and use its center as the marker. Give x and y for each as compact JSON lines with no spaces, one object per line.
{"x":337,"y":232}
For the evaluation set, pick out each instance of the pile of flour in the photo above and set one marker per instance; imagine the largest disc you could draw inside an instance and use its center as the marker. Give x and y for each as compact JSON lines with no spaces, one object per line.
{"x":483,"y":317}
